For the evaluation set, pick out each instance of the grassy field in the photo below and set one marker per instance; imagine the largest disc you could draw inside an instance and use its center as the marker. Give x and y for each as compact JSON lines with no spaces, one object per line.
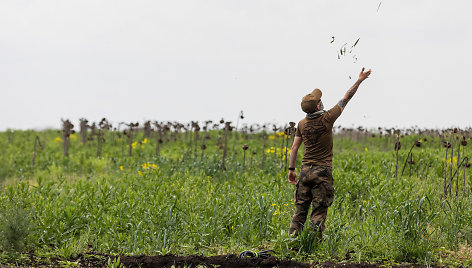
{"x":181,"y":201}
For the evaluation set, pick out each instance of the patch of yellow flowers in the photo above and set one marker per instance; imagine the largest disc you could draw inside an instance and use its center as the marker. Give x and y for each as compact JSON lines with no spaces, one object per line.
{"x":454,"y":159}
{"x":148,"y":166}
{"x":280,"y":209}
{"x":279,"y":150}
{"x":134,"y":144}
{"x":278,"y":134}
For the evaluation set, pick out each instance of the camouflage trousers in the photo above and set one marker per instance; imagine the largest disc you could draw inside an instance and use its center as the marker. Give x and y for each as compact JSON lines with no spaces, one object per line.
{"x":315,"y":187}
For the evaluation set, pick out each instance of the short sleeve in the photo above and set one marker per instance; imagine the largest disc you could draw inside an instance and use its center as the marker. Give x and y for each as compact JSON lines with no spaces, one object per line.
{"x":298,"y":132}
{"x":333,"y":114}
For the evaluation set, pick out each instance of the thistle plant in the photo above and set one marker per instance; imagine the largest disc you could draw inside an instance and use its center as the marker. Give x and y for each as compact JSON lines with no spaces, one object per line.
{"x":147,"y":129}
{"x":245,"y":147}
{"x":397,"y":148}
{"x":459,"y":144}
{"x":129,"y":134}
{"x":240,"y":116}
{"x":227,"y":129}
{"x":446,"y":145}
{"x":103,"y":125}
{"x":158,"y":136}
{"x":83,"y":130}
{"x":466,"y":165}
{"x":196,"y":130}
{"x":37,"y":143}
{"x":274,"y":129}
{"x":219,"y":144}
{"x":409,"y":157}
{"x":67,"y":130}
{"x":93,"y":131}
{"x":454,"y":131}
{"x":203,"y":147}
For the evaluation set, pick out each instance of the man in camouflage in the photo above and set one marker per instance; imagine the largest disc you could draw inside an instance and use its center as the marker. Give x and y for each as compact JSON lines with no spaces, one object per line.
{"x":315,"y":185}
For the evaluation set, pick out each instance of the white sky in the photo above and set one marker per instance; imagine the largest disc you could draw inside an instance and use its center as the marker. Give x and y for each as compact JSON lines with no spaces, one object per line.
{"x":202,"y":60}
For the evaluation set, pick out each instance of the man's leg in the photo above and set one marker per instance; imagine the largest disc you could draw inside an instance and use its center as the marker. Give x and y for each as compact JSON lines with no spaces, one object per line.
{"x":302,"y":200}
{"x":317,"y":219}
{"x":323,"y":196}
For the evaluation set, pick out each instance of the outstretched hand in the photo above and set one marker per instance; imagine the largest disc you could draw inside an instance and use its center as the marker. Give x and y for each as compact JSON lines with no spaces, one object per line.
{"x":292,"y":177}
{"x":364,"y":75}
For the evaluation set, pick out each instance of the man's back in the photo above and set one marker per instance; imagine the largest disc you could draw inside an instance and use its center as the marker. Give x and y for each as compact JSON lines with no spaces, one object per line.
{"x":317,"y":135}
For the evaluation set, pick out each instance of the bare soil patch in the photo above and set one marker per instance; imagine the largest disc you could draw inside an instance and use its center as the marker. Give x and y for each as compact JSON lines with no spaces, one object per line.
{"x":233,"y":261}
{"x":92,"y":259}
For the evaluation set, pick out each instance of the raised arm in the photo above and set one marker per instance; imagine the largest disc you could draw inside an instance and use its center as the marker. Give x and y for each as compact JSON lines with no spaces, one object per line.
{"x":292,"y":176}
{"x":347,"y":97}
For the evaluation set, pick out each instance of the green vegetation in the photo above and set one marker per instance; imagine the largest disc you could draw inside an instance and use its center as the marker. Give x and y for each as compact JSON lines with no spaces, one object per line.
{"x":183,"y":202}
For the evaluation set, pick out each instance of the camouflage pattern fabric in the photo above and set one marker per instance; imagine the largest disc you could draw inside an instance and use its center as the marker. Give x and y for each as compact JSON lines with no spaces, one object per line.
{"x":315,"y":186}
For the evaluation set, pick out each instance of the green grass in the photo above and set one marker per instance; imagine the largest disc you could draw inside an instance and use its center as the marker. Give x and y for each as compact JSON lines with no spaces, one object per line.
{"x":188,"y":205}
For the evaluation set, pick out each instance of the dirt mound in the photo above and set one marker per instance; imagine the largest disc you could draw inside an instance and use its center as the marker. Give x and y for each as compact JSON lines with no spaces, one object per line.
{"x":93,"y":259}
{"x":226,"y":261}
{"x":233,"y":261}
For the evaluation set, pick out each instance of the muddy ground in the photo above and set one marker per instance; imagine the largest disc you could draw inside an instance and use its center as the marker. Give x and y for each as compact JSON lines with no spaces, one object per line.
{"x":223,"y":261}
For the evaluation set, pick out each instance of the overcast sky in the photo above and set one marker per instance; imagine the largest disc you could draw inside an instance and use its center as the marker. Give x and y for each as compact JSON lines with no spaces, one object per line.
{"x":203,"y":60}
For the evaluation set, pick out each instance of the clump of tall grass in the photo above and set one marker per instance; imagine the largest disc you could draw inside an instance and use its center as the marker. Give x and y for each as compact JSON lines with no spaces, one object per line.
{"x":15,"y":226}
{"x":412,"y":220}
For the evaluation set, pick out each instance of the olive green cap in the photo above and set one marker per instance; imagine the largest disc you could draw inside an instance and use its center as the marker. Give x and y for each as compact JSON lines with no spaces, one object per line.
{"x":310,"y":101}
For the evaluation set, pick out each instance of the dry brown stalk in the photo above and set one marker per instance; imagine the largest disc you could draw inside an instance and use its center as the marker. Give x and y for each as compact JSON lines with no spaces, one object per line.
{"x":196,"y":129}
{"x":158,"y":136}
{"x":67,"y":129}
{"x":275,"y":128}
{"x":225,"y":149}
{"x":447,"y":145}
{"x":37,"y":143}
{"x":147,"y":129}
{"x":104,"y":125}
{"x":264,"y":138}
{"x":129,"y":134}
{"x":397,"y":148}
{"x":245,"y":147}
{"x":83,"y":130}
{"x":451,"y":162}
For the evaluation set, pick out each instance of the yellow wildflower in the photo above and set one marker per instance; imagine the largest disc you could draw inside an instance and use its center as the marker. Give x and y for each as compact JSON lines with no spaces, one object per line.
{"x":58,"y":139}
{"x":454,"y":159}
{"x":140,"y":173}
{"x":133,"y":145}
{"x":121,"y":168}
{"x":366,"y":149}
{"x":145,"y":141}
{"x":148,"y":165}
{"x":73,"y":137}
